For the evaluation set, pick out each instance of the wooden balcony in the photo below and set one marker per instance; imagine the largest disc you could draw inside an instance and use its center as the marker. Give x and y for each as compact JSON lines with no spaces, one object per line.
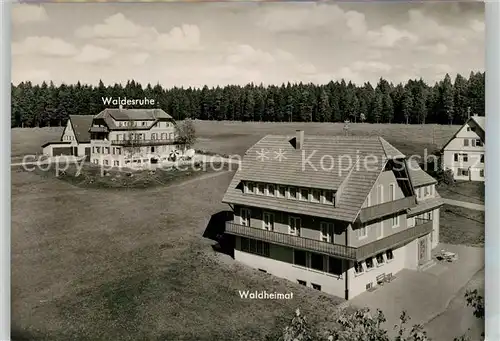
{"x":337,"y":250}
{"x":137,"y":143}
{"x":379,"y":211}
{"x":421,"y":228}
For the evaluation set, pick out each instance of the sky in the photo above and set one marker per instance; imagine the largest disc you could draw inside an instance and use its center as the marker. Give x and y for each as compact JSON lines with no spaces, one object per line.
{"x":197,"y":44}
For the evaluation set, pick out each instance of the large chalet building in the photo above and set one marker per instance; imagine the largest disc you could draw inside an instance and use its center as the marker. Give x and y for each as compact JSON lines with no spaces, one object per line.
{"x":464,"y":152}
{"x":118,"y":137}
{"x":337,"y":214}
{"x":131,"y":137}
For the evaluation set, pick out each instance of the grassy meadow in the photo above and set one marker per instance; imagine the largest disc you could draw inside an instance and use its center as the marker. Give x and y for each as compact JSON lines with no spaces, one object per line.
{"x":98,"y":264}
{"x":236,"y":137}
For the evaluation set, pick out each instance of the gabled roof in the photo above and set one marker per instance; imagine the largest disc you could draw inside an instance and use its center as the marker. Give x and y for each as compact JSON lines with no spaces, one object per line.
{"x":81,"y":125}
{"x":111,"y":115}
{"x":418,"y":176}
{"x":134,"y":114}
{"x":478,"y":121}
{"x":357,"y":163}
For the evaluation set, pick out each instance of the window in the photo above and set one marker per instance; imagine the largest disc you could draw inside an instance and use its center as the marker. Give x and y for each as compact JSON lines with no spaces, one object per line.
{"x":326,"y":231}
{"x":481,"y":173}
{"x":255,"y":246}
{"x":380,"y":259}
{"x":293,"y":225}
{"x":362,"y":232}
{"x":392,"y":188}
{"x":456,"y":157}
{"x":116,"y":163}
{"x":389,"y":255}
{"x":427,"y":191}
{"x":468,"y":128}
{"x":369,"y":263}
{"x":153,"y":136}
{"x":465,"y":157}
{"x":144,"y":123}
{"x":152,"y":149}
{"x":106,"y":162}
{"x":395,"y":221}
{"x":292,"y":193}
{"x":316,"y":286}
{"x":466,"y":142}
{"x":98,"y":149}
{"x":380,"y":192}
{"x":270,"y":190}
{"x":315,"y":197}
{"x":299,"y":258}
{"x":281,"y":192}
{"x":482,"y":158}
{"x":268,"y":221}
{"x":473,"y":142}
{"x":328,"y":197}
{"x":250,"y":187}
{"x":463,"y":172}
{"x":304,"y":194}
{"x":260,"y":189}
{"x":358,"y":268}
{"x":245,"y":215}
{"x":479,"y":143}
{"x":335,"y":266}
{"x":171,"y":136}
{"x":304,"y":283}
{"x":317,"y":262}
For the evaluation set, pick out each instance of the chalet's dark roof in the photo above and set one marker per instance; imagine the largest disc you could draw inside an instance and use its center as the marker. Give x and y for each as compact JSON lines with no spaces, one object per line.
{"x":418,"y":176}
{"x":480,"y":121}
{"x":81,"y":125}
{"x":111,"y":115}
{"x":357,"y":163}
{"x":134,"y":114}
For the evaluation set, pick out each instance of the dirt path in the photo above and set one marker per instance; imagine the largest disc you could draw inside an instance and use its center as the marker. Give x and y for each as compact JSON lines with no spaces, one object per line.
{"x":464,"y":204}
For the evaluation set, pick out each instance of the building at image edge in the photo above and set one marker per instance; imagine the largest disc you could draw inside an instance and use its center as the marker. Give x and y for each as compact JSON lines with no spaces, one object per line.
{"x":342,"y":228}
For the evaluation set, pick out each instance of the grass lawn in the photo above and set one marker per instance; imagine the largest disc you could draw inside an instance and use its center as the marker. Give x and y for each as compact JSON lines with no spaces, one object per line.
{"x":236,"y":137}
{"x":92,"y":264}
{"x":460,"y":225}
{"x":470,"y":191}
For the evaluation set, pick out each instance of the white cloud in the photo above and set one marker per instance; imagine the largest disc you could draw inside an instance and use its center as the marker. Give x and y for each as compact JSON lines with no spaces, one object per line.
{"x":389,"y":36}
{"x":370,"y":66}
{"x":23,"y":13}
{"x":44,"y":46}
{"x":93,"y":54}
{"x":246,"y":54}
{"x":124,"y":33}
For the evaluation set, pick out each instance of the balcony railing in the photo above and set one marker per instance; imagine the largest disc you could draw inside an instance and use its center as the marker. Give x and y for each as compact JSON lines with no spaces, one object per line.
{"x":421,"y":228}
{"x":378,"y":211}
{"x":319,"y":246}
{"x":130,"y":143}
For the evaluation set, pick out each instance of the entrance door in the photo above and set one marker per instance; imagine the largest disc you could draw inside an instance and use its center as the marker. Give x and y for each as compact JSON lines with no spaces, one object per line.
{"x":268,"y":221}
{"x":422,"y":251}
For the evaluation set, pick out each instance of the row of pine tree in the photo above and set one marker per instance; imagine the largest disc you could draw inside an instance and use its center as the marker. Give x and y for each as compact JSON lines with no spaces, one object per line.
{"x":414,"y":102}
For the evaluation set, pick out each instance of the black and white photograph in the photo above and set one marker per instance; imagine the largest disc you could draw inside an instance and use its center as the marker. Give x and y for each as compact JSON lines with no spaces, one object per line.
{"x":238,"y":171}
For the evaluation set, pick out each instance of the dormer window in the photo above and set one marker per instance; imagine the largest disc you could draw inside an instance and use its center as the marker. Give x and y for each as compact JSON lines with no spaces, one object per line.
{"x":315,"y":195}
{"x":304,"y":194}
{"x":327,"y":197}
{"x":281,"y":191}
{"x":260,"y":189}
{"x":250,"y":187}
{"x":270,"y":190}
{"x":292,"y":193}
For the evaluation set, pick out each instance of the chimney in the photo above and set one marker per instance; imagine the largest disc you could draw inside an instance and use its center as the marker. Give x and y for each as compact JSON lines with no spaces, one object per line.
{"x":299,"y":139}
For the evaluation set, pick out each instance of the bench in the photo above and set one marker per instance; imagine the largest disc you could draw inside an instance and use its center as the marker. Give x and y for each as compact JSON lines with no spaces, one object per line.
{"x":380,"y":279}
{"x":389,"y":277}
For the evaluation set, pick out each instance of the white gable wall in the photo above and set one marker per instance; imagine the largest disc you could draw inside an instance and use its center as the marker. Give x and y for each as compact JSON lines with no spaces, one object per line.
{"x":472,"y":164}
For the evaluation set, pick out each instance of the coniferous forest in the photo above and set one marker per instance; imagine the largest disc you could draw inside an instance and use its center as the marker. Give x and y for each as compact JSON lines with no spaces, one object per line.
{"x":448,"y":101}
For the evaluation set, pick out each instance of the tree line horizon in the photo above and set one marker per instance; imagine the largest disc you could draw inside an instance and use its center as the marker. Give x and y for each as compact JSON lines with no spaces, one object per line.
{"x":414,"y":102}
